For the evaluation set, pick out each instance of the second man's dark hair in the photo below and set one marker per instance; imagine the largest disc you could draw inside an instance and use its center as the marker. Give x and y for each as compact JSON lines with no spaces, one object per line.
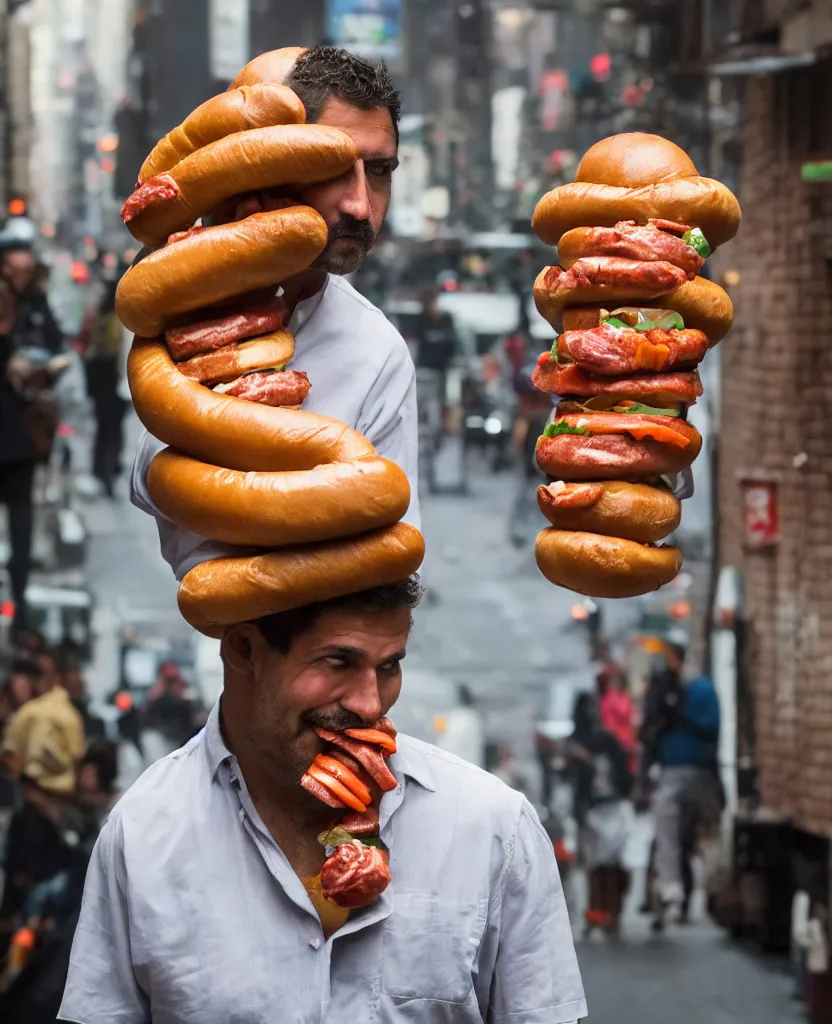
{"x":323,"y":72}
{"x":281,"y":630}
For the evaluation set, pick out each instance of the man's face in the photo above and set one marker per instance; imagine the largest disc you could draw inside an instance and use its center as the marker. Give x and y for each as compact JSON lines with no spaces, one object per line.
{"x":19,"y":269}
{"x":344,"y":672}
{"x":354,"y":205}
{"x":21,"y":688}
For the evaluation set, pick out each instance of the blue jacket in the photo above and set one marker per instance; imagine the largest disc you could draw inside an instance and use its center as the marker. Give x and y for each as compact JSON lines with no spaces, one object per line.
{"x":693,"y":737}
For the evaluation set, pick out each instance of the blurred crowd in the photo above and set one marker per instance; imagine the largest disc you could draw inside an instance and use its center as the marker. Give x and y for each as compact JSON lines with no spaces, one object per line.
{"x":59,"y":778}
{"x":662,"y":757}
{"x":34,"y":353}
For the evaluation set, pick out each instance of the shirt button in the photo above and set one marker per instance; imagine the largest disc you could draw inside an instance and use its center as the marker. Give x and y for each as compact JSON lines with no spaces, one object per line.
{"x":315,"y":943}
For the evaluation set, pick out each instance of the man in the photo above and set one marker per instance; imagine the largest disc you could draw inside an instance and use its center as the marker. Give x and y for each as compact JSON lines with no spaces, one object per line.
{"x":47,"y":728}
{"x":26,"y":322}
{"x":688,"y":797}
{"x":436,"y":336}
{"x":196,"y":908}
{"x":358,"y":363}
{"x":35,"y":324}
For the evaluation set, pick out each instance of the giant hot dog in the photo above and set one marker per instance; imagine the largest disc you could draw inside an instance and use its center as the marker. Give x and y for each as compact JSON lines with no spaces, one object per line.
{"x":314,"y":507}
{"x":210,"y":359}
{"x":635,"y":319}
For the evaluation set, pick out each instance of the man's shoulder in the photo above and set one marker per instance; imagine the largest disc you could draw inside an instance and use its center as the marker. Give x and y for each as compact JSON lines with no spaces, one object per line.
{"x":448,"y":774}
{"x":352,"y":308}
{"x":164,"y":789}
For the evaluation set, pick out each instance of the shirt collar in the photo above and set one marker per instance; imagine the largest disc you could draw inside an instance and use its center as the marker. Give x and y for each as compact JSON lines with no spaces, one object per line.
{"x":408,"y":760}
{"x":215,"y":749}
{"x":305,"y":310}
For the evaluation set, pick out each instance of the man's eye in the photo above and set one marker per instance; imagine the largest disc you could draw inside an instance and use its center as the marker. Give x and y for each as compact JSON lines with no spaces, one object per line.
{"x":380,"y":170}
{"x":335,"y":661}
{"x":391,"y":666}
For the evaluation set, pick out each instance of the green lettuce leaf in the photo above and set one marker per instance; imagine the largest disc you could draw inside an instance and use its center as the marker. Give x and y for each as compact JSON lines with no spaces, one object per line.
{"x":556,"y":429}
{"x":695,"y":238}
{"x":670,"y":322}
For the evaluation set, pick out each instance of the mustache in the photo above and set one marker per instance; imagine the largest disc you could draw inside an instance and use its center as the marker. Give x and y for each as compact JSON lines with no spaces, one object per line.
{"x":335,"y":721}
{"x":350,"y":227}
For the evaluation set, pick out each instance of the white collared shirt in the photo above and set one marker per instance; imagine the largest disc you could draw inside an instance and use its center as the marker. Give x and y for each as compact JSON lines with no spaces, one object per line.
{"x":193,"y":915}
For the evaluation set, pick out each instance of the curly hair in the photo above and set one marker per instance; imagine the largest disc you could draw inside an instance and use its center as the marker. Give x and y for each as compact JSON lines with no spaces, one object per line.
{"x":282,"y":629}
{"x":322,"y":72}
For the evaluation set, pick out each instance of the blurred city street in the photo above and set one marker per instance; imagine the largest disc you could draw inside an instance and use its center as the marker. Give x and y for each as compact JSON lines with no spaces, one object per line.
{"x":482,"y":246}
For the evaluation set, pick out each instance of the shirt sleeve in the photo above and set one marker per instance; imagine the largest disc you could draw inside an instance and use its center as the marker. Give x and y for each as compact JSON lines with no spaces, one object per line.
{"x":536,"y":976}
{"x":101,"y":987}
{"x":390,"y":421}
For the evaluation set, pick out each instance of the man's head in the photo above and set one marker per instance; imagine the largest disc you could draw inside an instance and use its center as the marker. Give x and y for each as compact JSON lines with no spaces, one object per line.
{"x":347,"y":92}
{"x":49,"y":677}
{"x":336,"y":664}
{"x":24,"y":680}
{"x":19,"y":268}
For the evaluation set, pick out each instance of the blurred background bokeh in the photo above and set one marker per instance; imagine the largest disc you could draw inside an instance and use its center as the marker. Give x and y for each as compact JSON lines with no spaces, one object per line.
{"x":501,"y":99}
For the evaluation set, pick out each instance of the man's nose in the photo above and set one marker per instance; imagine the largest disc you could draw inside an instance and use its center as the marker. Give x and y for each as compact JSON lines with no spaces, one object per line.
{"x":355,"y":200}
{"x":363,"y":698}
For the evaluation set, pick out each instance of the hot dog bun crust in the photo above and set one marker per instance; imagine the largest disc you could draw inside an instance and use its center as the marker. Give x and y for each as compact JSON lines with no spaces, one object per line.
{"x":604,"y":566}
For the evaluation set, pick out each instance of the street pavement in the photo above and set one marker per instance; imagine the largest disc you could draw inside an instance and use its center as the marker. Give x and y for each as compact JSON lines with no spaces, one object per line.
{"x":492,"y":622}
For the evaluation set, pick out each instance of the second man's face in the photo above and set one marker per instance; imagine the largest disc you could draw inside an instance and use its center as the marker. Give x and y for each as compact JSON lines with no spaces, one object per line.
{"x":354,"y":205}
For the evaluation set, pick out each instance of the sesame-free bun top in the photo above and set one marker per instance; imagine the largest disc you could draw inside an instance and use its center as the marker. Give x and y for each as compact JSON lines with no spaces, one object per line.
{"x":635,"y":176}
{"x":634,"y":160}
{"x":272,"y":67}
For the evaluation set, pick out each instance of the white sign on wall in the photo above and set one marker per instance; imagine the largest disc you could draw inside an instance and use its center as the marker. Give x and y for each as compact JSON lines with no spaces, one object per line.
{"x":228,"y":36}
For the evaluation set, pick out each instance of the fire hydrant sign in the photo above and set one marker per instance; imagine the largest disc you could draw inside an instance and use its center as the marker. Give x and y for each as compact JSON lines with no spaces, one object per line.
{"x":762,"y":521}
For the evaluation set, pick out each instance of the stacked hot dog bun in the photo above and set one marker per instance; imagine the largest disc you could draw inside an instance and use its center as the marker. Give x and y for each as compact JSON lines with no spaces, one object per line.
{"x":211,"y":369}
{"x":634,"y":319}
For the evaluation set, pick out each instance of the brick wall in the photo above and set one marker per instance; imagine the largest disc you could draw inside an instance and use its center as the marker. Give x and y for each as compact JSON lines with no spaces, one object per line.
{"x":777,"y":417}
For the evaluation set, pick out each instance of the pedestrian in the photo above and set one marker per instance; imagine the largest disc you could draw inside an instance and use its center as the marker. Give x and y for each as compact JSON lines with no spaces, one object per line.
{"x":37,"y":848}
{"x":601,"y":781}
{"x":47,"y":726}
{"x":463,"y":733}
{"x":72,"y":680}
{"x":35,"y":324}
{"x":689,"y":799}
{"x":616,"y":709}
{"x":169,"y":710}
{"x":436,"y":338}
{"x":101,"y":339}
{"x":202,"y":901}
{"x":339,"y":336}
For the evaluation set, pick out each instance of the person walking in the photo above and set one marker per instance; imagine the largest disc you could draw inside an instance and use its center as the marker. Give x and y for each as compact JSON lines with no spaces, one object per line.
{"x":602,"y":782}
{"x":688,"y":799}
{"x":28,"y":420}
{"x":203,"y":903}
{"x":616,"y":709}
{"x":101,"y":342}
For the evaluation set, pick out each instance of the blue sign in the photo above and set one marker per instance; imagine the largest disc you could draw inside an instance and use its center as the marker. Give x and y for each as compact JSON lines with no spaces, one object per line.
{"x":372,"y":28}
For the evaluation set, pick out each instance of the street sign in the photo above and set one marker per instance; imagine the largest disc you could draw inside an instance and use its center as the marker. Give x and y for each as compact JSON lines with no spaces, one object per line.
{"x":762,"y":520}
{"x":820,"y":170}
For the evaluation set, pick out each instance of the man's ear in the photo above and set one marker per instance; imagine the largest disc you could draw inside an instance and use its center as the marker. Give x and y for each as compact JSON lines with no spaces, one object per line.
{"x":238,"y":648}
